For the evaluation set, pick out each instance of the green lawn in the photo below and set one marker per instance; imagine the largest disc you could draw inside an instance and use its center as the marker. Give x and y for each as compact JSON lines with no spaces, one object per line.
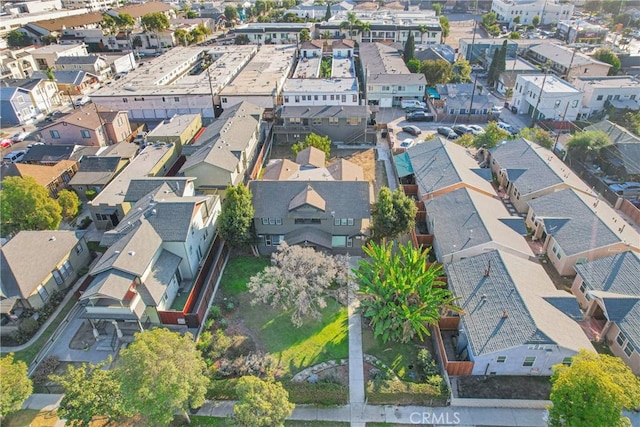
{"x":28,"y":354}
{"x":395,"y":355}
{"x":297,"y":348}
{"x":197,"y":421}
{"x":238,"y":271}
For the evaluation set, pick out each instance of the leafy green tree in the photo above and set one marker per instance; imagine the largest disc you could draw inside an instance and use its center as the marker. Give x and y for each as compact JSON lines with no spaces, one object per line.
{"x":393,"y":214}
{"x":514,"y":35}
{"x":592,"y":391}
{"x":446,"y":27}
{"x":436,"y":71}
{"x":327,"y":14}
{"x":304,"y":35}
{"x":609,"y":57}
{"x":242,"y":39}
{"x":414,"y":65}
{"x":89,"y":391}
{"x":16,"y":385}
{"x":582,"y":144}
{"x":183,"y":36}
{"x":489,"y":19}
{"x":437,"y":8}
{"x":235,"y":223}
{"x":108,"y":24}
{"x":402,"y":294}
{"x":124,"y":21}
{"x":498,"y":63}
{"x":409,"y":48}
{"x":231,"y":13}
{"x":161,"y":373}
{"x":261,"y":403}
{"x":537,"y":135}
{"x":461,"y":71}
{"x":199,"y":33}
{"x":322,"y":143}
{"x":26,"y":205}
{"x":191,"y":14}
{"x":155,"y":22}
{"x":516,"y":20}
{"x":300,"y":280}
{"x":69,"y":202}
{"x":535,"y":21}
{"x":491,"y":136}
{"x":17,"y":38}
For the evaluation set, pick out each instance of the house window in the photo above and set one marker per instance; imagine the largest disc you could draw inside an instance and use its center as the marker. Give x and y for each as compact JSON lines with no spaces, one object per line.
{"x":400,"y":88}
{"x":265,"y":221}
{"x":354,"y":98}
{"x":343,"y":98}
{"x":620,"y":339}
{"x":295,"y":120}
{"x":317,"y":121}
{"x":632,"y":97}
{"x":286,"y":99}
{"x":628,"y":349}
{"x":278,"y":221}
{"x":79,"y":249}
{"x":334,"y":121}
{"x":224,"y":100}
{"x":297,"y":98}
{"x":343,"y":221}
{"x":353,"y":121}
{"x":125,"y":100}
{"x":54,"y":134}
{"x":339,"y":241}
{"x":307,"y":221}
{"x":501,"y":359}
{"x":336,"y":221}
{"x":349,"y":242}
{"x":85,"y":134}
{"x":42,"y":291}
{"x":567,"y":361}
{"x":176,"y":98}
{"x":119,"y":121}
{"x":272,"y":221}
{"x":349,"y":221}
{"x":61,"y":274}
{"x":385,"y":88}
{"x":324,"y":97}
{"x":277,"y":239}
{"x":529,"y":361}
{"x":315,"y":97}
{"x":333,"y":97}
{"x":583,"y":288}
{"x":267,"y":240}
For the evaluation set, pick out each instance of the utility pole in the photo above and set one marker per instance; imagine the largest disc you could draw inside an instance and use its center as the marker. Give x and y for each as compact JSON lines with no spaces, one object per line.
{"x":534,"y":117}
{"x":213,"y":99}
{"x":564,"y":115}
{"x":473,"y":94}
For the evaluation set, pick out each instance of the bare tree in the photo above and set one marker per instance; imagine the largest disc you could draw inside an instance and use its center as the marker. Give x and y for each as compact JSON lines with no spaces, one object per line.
{"x":301,"y":279}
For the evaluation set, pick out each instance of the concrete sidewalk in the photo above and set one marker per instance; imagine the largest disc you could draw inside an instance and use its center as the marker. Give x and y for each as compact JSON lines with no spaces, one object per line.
{"x":356,"y":364}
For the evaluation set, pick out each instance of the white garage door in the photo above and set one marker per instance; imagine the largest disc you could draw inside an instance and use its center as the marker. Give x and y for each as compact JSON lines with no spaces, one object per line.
{"x":386,"y":102}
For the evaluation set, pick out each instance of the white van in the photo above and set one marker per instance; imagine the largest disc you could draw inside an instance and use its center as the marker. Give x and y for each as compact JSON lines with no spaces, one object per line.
{"x":408,"y":103}
{"x":14,"y":156}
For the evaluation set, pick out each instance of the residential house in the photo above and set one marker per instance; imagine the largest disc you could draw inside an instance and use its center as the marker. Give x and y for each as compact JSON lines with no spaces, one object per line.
{"x":89,"y":125}
{"x":326,"y":215}
{"x":122,"y":62}
{"x":318,"y":12}
{"x":525,"y":171}
{"x":54,"y":178}
{"x":622,"y":157}
{"x":262,"y":80}
{"x":272,"y":32}
{"x":476,"y":50}
{"x":94,"y":173}
{"x":42,"y":91}
{"x":72,"y":83}
{"x":110,"y":205}
{"x":434,"y":52}
{"x":179,"y":129}
{"x":341,"y":48}
{"x":548,"y":12}
{"x":310,"y":166}
{"x":345,"y":123}
{"x":454,"y":102}
{"x":574,"y":227}
{"x":512,"y":313}
{"x":311,"y":49}
{"x":97,"y":5}
{"x":94,"y":64}
{"x":16,"y":106}
{"x":225,"y":154}
{"x":386,"y":78}
{"x":546,"y":97}
{"x":599,"y":93}
{"x":49,"y":155}
{"x":16,"y":63}
{"x":607,"y":290}
{"x":514,"y":67}
{"x":583,"y":32}
{"x":46,"y":56}
{"x":59,"y":256}
{"x":565,"y":62}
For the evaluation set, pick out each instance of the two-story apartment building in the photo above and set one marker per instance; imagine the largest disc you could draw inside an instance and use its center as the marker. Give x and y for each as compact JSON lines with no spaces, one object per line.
{"x":565,"y":62}
{"x":16,"y":64}
{"x":546,"y":97}
{"x":42,"y":91}
{"x":93,"y":64}
{"x":547,"y":11}
{"x":601,"y":92}
{"x":583,"y":32}
{"x":46,"y":56}
{"x":272,"y":32}
{"x":16,"y":106}
{"x":387,"y":80}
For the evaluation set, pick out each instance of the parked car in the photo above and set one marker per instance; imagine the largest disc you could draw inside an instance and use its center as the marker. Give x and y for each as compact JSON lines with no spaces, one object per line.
{"x":20,"y":136}
{"x":52,"y":115}
{"x":496,"y":110}
{"x":34,"y":144}
{"x":628,"y":190}
{"x":507,"y":127}
{"x":407,"y":143}
{"x":448,"y":132}
{"x":414,"y":108}
{"x":475,"y":129}
{"x":462,"y":130}
{"x":476,"y":68}
{"x":14,"y":156}
{"x":406,"y":103}
{"x":419,"y":116}
{"x":82,"y":100}
{"x":6,"y":142}
{"x":412,"y":130}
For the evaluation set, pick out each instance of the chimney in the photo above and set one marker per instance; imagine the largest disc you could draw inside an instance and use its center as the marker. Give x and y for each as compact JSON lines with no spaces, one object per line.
{"x":488,"y":270}
{"x":505,"y":314}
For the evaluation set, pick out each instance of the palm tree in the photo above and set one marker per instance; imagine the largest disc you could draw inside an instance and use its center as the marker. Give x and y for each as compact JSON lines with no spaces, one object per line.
{"x":365,"y":28}
{"x":351,"y":21}
{"x":423,"y":29}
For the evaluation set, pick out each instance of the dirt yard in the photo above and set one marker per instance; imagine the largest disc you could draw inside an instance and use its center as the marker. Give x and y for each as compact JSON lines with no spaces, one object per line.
{"x":461,"y":30}
{"x":504,"y":387}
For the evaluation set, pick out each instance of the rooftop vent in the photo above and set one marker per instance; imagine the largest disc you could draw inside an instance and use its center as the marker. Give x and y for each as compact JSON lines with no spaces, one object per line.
{"x":52,"y":238}
{"x":131,"y":253}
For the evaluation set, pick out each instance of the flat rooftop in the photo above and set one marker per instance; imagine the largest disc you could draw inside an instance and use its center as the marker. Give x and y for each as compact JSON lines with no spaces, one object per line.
{"x":342,"y":68}
{"x":53,"y":48}
{"x":552,"y":84}
{"x":264,"y":73}
{"x":170,"y":74}
{"x":113,"y":194}
{"x":613,"y":82}
{"x":320,"y":85}
{"x":308,"y":68}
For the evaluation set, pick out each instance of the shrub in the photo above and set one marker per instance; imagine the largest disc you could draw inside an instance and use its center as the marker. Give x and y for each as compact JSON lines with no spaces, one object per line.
{"x":319,"y":393}
{"x":90,"y":194}
{"x":28,"y":327}
{"x":47,"y":367}
{"x":215,"y":313}
{"x":224,"y":389}
{"x":395,"y":392}
{"x":229,"y":306}
{"x":85,"y":223}
{"x":427,"y":363}
{"x":256,"y":364}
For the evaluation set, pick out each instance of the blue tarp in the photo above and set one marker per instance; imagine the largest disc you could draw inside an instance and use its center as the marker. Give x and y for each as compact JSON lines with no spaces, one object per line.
{"x":432,"y":93}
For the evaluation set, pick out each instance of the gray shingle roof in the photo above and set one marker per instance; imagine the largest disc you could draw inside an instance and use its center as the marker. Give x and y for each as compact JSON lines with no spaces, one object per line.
{"x":79,"y":60}
{"x":348,"y":199}
{"x":162,"y":271}
{"x":571,"y":222}
{"x":29,"y":257}
{"x":432,"y":166}
{"x":345,"y":111}
{"x":525,"y":167}
{"x":507,"y":308}
{"x":111,"y":283}
{"x":140,"y":187}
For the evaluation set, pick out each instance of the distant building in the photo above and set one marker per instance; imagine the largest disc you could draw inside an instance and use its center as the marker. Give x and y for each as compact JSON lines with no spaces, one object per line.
{"x":546,"y":98}
{"x":583,"y":32}
{"x":548,"y":11}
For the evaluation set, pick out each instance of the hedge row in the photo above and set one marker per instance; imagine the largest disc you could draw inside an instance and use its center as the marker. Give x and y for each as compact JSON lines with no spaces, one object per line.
{"x":326,"y":394}
{"x":404,"y":393}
